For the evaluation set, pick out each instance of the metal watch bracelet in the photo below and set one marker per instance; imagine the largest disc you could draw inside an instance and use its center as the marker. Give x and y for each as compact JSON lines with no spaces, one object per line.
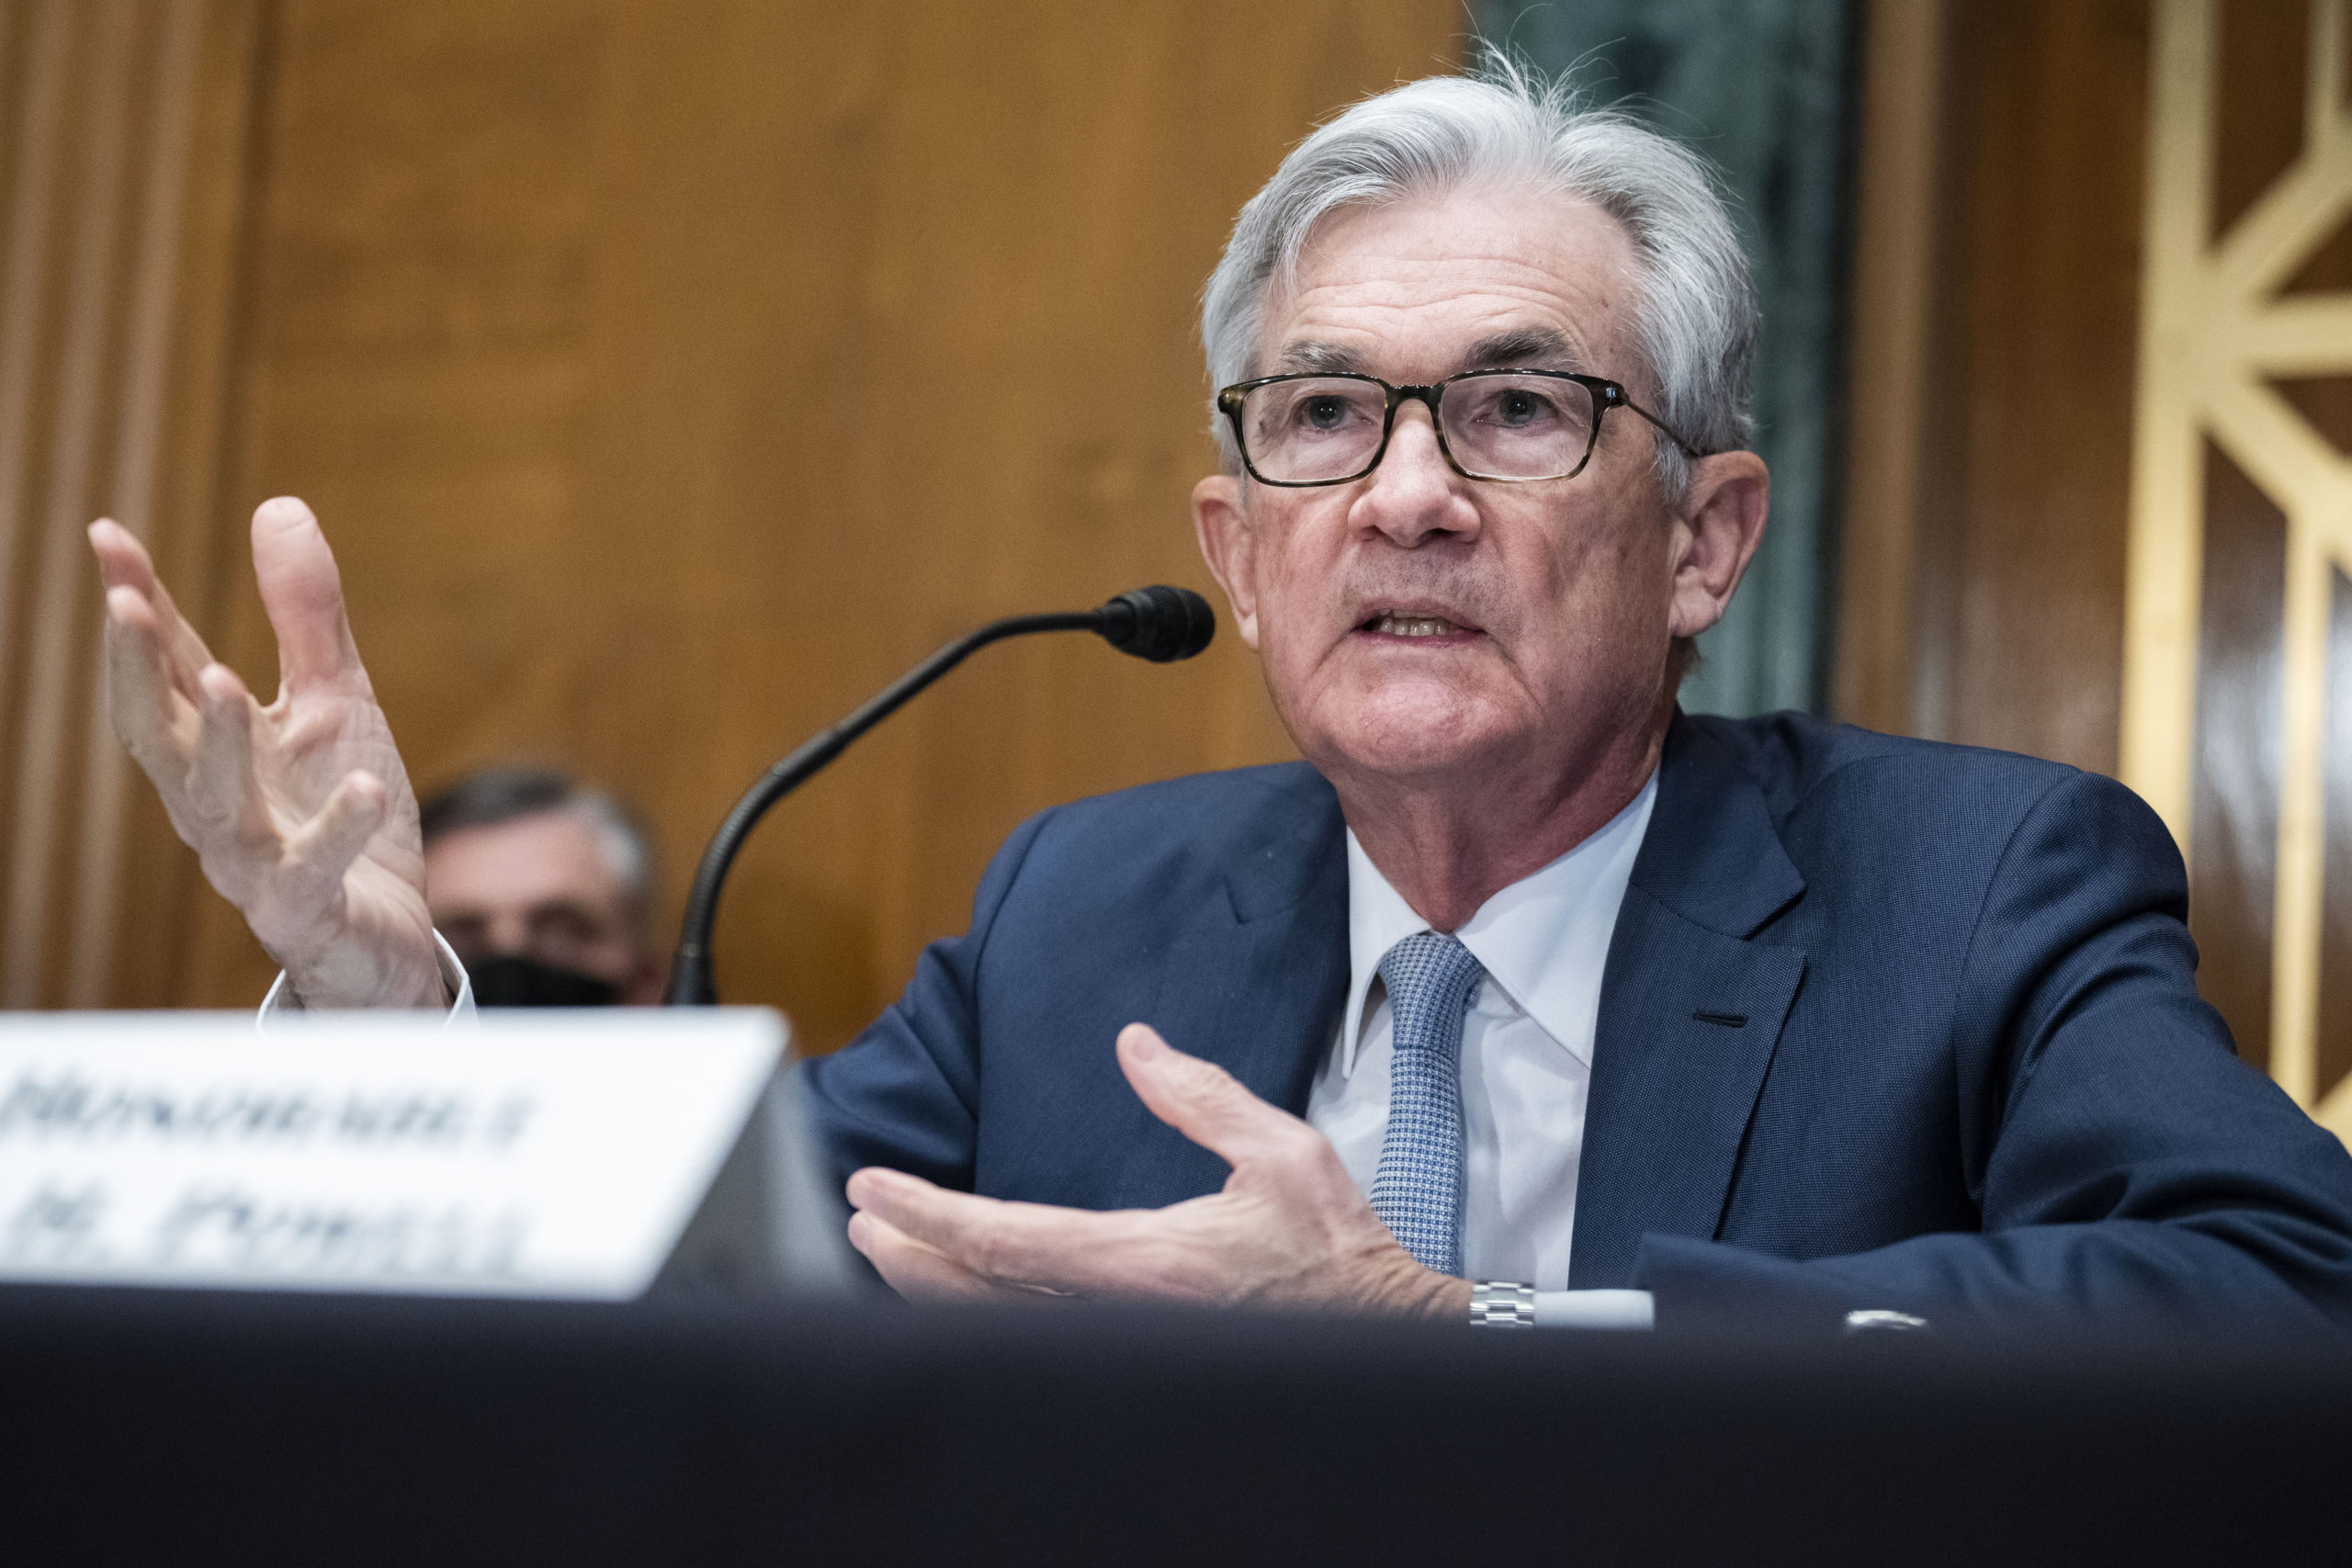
{"x":1498,"y":1304}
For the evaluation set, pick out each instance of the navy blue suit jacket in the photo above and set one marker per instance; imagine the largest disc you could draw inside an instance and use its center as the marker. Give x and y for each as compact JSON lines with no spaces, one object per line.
{"x":1884,"y":1024}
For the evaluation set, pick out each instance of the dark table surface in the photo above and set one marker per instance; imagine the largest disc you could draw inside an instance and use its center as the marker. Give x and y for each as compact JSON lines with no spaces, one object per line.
{"x":171,"y":1427}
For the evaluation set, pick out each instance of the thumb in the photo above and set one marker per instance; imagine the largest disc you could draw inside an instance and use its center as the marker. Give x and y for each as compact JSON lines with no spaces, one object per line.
{"x":1199,"y":1099}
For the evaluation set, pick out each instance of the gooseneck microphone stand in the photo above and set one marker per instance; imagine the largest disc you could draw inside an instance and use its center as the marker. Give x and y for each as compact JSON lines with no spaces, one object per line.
{"x":1159,"y":624}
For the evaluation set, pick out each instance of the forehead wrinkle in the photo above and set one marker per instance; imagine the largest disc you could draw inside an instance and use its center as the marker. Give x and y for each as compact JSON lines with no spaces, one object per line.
{"x":1366,"y":284}
{"x":1407,"y":269}
{"x":1492,"y":314}
{"x":1533,"y":346}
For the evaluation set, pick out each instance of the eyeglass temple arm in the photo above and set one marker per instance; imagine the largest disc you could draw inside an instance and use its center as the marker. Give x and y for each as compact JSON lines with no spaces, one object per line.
{"x":1672,"y":434}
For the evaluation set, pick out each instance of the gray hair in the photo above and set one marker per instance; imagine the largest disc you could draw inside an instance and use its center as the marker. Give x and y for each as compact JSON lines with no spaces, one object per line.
{"x":488,"y":796}
{"x":1695,"y":308}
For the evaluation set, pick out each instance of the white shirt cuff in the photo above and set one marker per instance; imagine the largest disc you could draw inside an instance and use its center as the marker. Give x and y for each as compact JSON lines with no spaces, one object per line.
{"x":281,"y":997}
{"x":1595,"y":1309}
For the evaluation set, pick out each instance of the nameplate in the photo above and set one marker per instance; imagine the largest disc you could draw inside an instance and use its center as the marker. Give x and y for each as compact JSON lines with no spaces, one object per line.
{"x":541,"y":1154}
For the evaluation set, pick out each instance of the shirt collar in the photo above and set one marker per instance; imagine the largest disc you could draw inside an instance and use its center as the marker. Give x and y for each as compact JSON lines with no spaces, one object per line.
{"x":1544,"y":939}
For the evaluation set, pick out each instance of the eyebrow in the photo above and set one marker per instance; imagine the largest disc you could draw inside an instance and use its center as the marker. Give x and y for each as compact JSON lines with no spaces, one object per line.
{"x":1526,"y":347}
{"x":1311,"y":357}
{"x":1521,"y":346}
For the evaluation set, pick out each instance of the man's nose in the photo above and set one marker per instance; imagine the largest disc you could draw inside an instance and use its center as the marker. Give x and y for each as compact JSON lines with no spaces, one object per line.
{"x":510,"y":933}
{"x":1414,"y":493}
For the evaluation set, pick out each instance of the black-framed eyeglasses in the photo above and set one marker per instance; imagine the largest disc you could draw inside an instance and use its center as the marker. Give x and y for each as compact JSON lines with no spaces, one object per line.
{"x":1510,"y":427}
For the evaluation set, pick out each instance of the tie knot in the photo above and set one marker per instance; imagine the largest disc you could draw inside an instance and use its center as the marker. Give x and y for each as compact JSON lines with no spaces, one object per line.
{"x":1430,"y":979}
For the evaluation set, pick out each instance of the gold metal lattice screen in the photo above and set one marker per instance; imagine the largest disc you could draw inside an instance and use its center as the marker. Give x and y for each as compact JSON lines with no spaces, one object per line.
{"x":2219,"y":332}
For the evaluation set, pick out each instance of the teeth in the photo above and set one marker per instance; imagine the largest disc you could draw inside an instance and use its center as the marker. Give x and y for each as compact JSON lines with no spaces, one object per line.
{"x":1413,"y":625}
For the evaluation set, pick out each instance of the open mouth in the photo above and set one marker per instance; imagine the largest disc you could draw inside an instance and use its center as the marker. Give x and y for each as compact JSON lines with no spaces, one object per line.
{"x":1414,"y":628}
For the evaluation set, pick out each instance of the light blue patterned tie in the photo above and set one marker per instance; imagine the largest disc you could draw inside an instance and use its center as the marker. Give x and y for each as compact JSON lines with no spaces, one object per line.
{"x":1416,"y":1188}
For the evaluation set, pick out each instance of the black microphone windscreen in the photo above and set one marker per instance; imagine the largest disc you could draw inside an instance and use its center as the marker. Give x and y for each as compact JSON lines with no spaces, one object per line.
{"x":1160,"y":623}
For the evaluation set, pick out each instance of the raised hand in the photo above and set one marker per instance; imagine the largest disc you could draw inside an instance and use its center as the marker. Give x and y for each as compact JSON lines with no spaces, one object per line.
{"x":1290,"y":1230}
{"x":300,"y":811}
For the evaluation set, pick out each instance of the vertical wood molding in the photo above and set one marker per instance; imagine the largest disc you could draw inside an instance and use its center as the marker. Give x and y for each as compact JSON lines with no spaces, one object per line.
{"x":92,"y":262}
{"x":95,"y":336}
{"x":2167,"y":458}
{"x":137,"y":453}
{"x":25,"y":289}
{"x":1895,"y":238}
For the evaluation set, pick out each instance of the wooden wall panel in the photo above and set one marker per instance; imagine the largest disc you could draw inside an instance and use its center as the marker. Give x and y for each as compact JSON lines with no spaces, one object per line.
{"x":669,"y":375}
{"x":2023,"y":617}
{"x":2241,"y":661}
{"x":2239,"y":729}
{"x":1903,"y":168}
{"x":1991,"y":609}
{"x":2333,"y":1057}
{"x":122,"y":138}
{"x":1996,"y":290}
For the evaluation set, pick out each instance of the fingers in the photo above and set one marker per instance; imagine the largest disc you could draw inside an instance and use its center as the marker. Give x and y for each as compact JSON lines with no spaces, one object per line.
{"x":922,"y":1273}
{"x":1019,"y":1243}
{"x":302,"y":591}
{"x":324,"y":847}
{"x":145,"y":704}
{"x":1200,"y":1098}
{"x":223,"y":775}
{"x":123,"y":562}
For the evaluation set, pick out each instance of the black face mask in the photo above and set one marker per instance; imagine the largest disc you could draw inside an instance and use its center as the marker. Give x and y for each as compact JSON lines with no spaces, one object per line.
{"x":505,"y":980}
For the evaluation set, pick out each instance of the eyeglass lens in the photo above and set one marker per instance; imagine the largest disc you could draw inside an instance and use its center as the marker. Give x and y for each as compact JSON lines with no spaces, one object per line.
{"x":1325,"y":428}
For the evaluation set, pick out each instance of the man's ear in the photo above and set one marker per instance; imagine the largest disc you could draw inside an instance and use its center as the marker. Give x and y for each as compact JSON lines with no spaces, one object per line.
{"x":1717,"y":528}
{"x":1229,"y":544}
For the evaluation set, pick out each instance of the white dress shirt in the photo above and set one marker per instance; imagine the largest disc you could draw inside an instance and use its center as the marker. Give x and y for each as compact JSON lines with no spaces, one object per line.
{"x":462,"y":1014}
{"x":1526,"y":1058}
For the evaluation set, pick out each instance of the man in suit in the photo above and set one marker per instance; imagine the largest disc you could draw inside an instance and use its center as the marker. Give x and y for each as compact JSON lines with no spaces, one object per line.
{"x":1525,"y":999}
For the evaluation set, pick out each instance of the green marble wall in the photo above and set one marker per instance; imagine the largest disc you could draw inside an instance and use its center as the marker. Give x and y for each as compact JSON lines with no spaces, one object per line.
{"x":1761,"y":88}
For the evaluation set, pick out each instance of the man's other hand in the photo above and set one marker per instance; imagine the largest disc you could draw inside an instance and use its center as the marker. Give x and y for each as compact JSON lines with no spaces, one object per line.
{"x":301,"y":811}
{"x":1290,"y":1229}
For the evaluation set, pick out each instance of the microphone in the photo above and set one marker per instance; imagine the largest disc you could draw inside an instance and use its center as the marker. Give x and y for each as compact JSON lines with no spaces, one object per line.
{"x":1160,"y":623}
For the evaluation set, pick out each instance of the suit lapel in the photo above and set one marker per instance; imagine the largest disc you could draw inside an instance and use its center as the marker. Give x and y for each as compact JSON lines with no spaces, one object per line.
{"x":1690,"y":1011}
{"x":1256,"y":981}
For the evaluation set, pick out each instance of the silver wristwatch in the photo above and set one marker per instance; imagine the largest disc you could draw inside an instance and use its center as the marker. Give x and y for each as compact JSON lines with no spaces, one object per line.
{"x":1498,"y":1304}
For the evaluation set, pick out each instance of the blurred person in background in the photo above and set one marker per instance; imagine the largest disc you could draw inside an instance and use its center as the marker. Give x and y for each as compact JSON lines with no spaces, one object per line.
{"x":544,"y":887}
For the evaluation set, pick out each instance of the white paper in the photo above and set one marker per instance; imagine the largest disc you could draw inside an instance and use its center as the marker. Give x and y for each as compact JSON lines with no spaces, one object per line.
{"x":546,"y":1154}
